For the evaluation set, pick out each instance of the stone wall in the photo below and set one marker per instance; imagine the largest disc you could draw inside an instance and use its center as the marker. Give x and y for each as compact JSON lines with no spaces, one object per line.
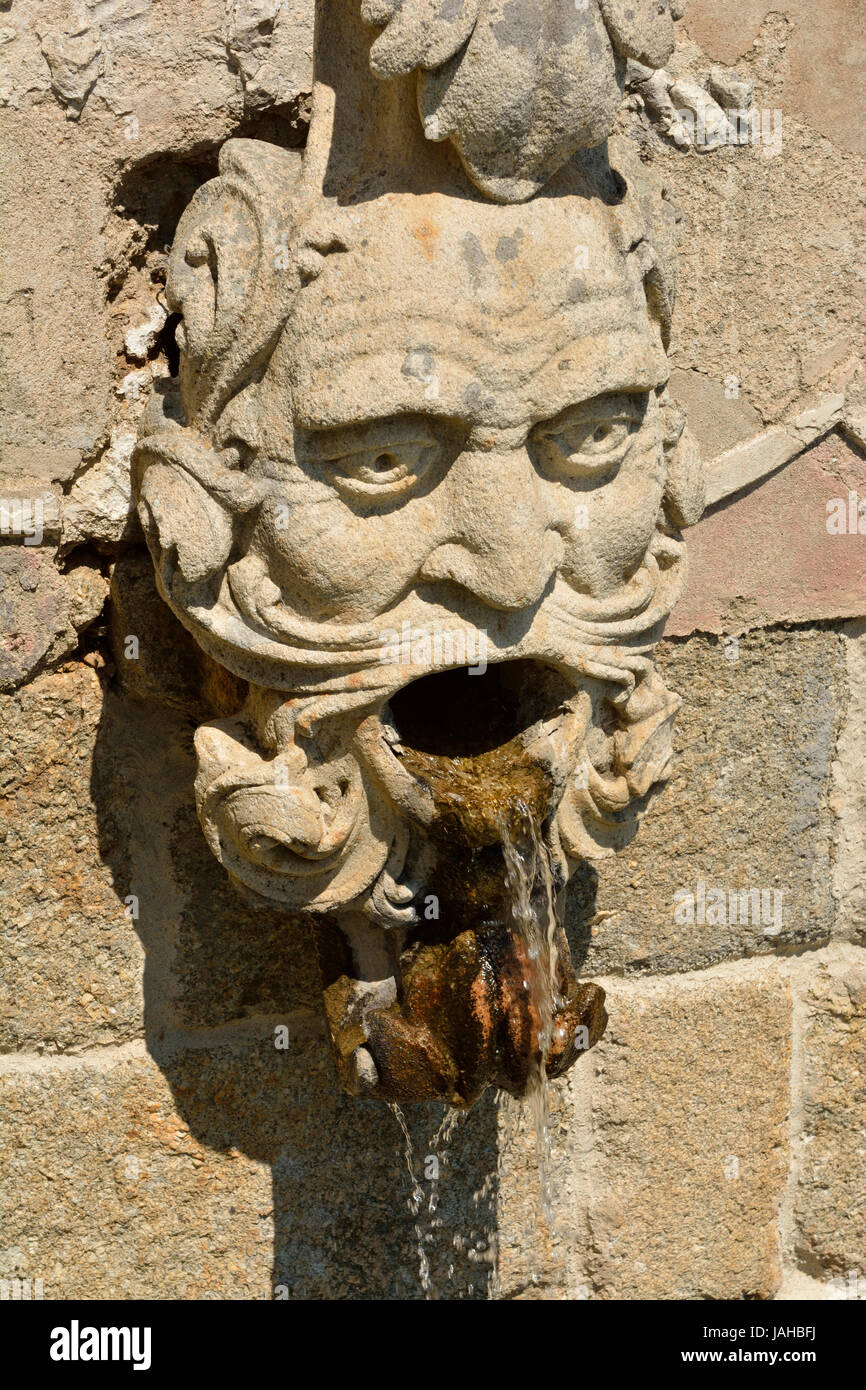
{"x":156,"y":1142}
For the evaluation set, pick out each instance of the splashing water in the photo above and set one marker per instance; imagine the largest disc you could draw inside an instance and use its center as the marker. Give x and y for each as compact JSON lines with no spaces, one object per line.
{"x":416,"y":1200}
{"x":534,"y":912}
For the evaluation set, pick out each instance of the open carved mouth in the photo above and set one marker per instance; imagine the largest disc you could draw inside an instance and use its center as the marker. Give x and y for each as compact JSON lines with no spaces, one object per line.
{"x":475,"y":743}
{"x":465,"y":714}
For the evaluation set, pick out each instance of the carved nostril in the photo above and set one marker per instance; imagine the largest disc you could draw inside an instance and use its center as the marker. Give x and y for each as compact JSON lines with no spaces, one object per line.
{"x":499,"y":543}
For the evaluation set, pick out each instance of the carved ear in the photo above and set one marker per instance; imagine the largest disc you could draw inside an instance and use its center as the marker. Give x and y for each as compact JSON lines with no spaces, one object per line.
{"x":188,"y":533}
{"x":227,"y":277}
{"x":188,"y":503}
{"x":685,"y":489}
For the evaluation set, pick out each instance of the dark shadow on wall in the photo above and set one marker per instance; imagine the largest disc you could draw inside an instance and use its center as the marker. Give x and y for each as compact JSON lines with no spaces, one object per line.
{"x":223,"y":970}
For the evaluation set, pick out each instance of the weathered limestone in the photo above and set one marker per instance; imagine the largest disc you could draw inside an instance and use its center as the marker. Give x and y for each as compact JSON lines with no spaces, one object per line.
{"x":829,"y":1212}
{"x":818,"y":84}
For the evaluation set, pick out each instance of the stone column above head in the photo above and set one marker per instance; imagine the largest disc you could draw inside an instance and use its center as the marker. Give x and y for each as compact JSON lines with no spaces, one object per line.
{"x":513,"y":87}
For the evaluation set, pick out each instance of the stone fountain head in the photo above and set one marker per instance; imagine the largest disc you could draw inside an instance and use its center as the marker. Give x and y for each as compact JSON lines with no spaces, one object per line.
{"x":421,"y":488}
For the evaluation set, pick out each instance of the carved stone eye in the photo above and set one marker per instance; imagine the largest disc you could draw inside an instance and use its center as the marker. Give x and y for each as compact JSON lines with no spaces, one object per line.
{"x":378,"y":472}
{"x":378,"y":461}
{"x":592,"y":439}
{"x":608,"y":436}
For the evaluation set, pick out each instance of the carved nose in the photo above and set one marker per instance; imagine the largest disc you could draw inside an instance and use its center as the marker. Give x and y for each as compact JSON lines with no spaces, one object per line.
{"x":498,"y":544}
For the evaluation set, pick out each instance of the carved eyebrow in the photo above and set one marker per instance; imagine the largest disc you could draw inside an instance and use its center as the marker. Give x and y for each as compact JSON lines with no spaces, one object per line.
{"x":632,"y":403}
{"x":375,"y":433}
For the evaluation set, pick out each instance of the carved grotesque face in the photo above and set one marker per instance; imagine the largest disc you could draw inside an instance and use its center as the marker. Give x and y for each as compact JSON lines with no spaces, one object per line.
{"x":461,"y":414}
{"x":434,"y":418}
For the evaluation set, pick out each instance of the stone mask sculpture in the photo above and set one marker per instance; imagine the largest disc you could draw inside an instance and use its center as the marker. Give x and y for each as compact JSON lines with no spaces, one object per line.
{"x":421,"y":488}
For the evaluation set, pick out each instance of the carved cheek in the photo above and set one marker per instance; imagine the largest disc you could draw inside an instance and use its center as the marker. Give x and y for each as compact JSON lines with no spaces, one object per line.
{"x":614,"y":525}
{"x":324,"y":554}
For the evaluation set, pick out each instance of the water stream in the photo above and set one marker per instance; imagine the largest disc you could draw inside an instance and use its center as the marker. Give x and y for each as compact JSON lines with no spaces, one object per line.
{"x":424,"y":1212}
{"x":533,"y":913}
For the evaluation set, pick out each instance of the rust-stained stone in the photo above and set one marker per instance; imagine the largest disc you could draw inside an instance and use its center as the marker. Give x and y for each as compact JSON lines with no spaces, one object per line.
{"x":690,"y":1107}
{"x":41,"y":610}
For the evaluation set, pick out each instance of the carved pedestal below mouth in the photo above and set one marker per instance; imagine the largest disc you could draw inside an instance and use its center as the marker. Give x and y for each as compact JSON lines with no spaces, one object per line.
{"x":466,"y":1021}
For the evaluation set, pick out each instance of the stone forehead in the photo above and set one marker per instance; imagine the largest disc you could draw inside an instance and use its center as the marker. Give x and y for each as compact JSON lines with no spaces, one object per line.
{"x":452,"y":256}
{"x":475,"y":294}
{"x":501,"y":314}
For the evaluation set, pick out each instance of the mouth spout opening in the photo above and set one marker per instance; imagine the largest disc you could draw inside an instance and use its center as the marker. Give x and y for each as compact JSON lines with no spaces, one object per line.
{"x":467,"y":713}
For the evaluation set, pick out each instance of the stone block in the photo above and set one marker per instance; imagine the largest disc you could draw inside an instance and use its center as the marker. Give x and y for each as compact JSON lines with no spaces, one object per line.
{"x":848,"y":798}
{"x":784,"y":551}
{"x":541,"y":1194}
{"x":42,"y":611}
{"x":109,"y":1194}
{"x":717,"y":421}
{"x":690,"y":1103}
{"x":72,"y":960}
{"x":746,"y":810}
{"x":830,"y":1205}
{"x":127,"y":1180}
